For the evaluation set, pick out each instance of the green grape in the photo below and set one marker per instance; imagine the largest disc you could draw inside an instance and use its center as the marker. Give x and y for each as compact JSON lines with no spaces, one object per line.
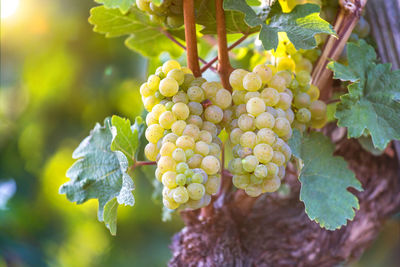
{"x":166,"y":163}
{"x":270,"y":96}
{"x":280,"y":113}
{"x":167,"y":149}
{"x":285,"y":63}
{"x":158,"y":110}
{"x":264,"y":72}
{"x":318,"y":110}
{"x":186,"y":70}
{"x":241,"y":109}
{"x":288,"y":136}
{"x":246,"y":123}
{"x":180,"y":97}
{"x":168,"y":87}
{"x":303,"y":77}
{"x":285,"y":101}
{"x":178,"y":127}
{"x":158,"y":10}
{"x":150,"y":119}
{"x":210,"y":127}
{"x":195,"y":120}
{"x":286,"y":75}
{"x":189,"y":153}
{"x":199,"y":81}
{"x":235,"y":166}
{"x":212,"y":185}
{"x":238,"y":97}
{"x":158,"y":174}
{"x":313,"y":92}
{"x":145,"y":90}
{"x":205,"y":136}
{"x":304,"y":65}
{"x":263,"y":152}
{"x":202,"y":148}
{"x":154,"y":133}
{"x":181,"y":111}
{"x":318,"y":123}
{"x":272,"y":111}
{"x":215,"y":150}
{"x":302,"y":100}
{"x":252,"y":82}
{"x":188,"y":79}
{"x":192,"y":130}
{"x":195,"y":161}
{"x":271,"y":185}
{"x":234,"y":124}
{"x":170,"y":204}
{"x":289,"y":92}
{"x":235,"y":136}
{"x":196,"y":191}
{"x":250,"y":163}
{"x":213,"y":114}
{"x":185,"y":142}
{"x":171,"y":137}
{"x":178,"y":75}
{"x":304,"y":89}
{"x":167,"y":119}
{"x":289,"y":115}
{"x":287,"y":152}
{"x":282,"y":126}
{"x":196,"y":94}
{"x":227,"y":118}
{"x":197,"y":178}
{"x":278,"y":83}
{"x":143,"y":5}
{"x":151,"y":151}
{"x":255,"y":106}
{"x":150,"y":102}
{"x":261,"y":171}
{"x":179,"y":156}
{"x":174,"y":21}
{"x":248,"y":139}
{"x":303,"y":115}
{"x":278,"y":158}
{"x":265,"y":120}
{"x":223,"y":98}
{"x":294,"y":86}
{"x":281,"y":172}
{"x":253,"y":190}
{"x":210,"y":164}
{"x":236,"y":79}
{"x":169,"y":179}
{"x":250,"y":95}
{"x":170,"y":65}
{"x":254,"y":180}
{"x":241,"y":152}
{"x":160,"y":73}
{"x":195,"y":108}
{"x":279,"y":143}
{"x":241,"y":181}
{"x":272,"y":170}
{"x":266,"y":136}
{"x":181,"y":195}
{"x":169,"y":105}
{"x":211,"y":88}
{"x":180,"y":179}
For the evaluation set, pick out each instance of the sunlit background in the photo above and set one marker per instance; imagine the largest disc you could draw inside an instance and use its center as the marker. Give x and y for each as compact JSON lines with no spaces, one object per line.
{"x":57,"y":79}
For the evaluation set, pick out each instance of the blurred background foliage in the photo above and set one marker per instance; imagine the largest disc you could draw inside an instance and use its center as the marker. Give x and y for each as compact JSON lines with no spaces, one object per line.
{"x":58,"y":79}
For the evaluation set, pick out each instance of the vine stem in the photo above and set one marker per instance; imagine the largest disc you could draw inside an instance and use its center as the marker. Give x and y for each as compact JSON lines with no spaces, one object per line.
{"x":191,"y":38}
{"x":173,"y":39}
{"x":224,"y":66}
{"x":209,"y":64}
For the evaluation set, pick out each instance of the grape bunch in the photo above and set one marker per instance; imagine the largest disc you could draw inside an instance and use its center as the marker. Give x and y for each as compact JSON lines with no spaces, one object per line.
{"x":169,"y":12}
{"x":184,"y":120}
{"x":260,"y":129}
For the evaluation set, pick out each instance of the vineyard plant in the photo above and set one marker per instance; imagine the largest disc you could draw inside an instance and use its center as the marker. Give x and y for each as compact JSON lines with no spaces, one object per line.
{"x":269,"y":127}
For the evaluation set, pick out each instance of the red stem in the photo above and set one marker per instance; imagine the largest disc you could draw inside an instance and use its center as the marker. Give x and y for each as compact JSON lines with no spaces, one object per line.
{"x":191,"y":38}
{"x":143,"y":163}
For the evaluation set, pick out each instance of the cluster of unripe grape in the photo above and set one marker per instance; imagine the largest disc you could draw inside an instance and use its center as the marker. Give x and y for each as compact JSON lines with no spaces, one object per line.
{"x":268,"y":103}
{"x":169,"y":12}
{"x":183,"y":122}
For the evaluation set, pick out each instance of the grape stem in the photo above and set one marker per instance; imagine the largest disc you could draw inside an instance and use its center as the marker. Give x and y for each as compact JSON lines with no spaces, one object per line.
{"x":144,"y":163}
{"x":212,"y":61}
{"x":173,"y":39}
{"x":191,"y":38}
{"x":224,"y":66}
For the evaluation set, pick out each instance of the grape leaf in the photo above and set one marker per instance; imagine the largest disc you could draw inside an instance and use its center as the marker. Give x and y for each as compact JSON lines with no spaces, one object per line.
{"x":234,"y":21}
{"x":300,"y":25}
{"x":123,"y":5}
{"x":324,"y":181}
{"x":372,"y":104}
{"x":125,"y":138}
{"x":110,"y":215}
{"x":144,"y":37}
{"x":99,"y":173}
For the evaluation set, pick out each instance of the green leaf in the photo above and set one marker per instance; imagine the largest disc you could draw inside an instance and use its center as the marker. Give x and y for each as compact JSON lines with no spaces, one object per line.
{"x":110,"y":215}
{"x":124,"y":138}
{"x":234,"y":21}
{"x":324,"y":181}
{"x":300,"y":25}
{"x":123,"y":5}
{"x":99,"y":173}
{"x":372,"y":105}
{"x":144,"y":37}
